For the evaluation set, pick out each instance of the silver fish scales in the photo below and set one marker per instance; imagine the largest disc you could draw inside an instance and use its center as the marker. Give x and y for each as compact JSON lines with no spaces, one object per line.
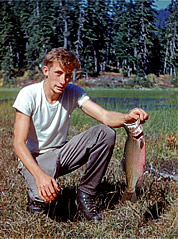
{"x":134,"y":159}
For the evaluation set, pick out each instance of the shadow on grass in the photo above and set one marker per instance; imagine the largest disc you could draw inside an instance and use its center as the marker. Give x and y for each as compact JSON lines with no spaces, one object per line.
{"x":65,"y":208}
{"x":153,"y":212}
{"x":108,"y":197}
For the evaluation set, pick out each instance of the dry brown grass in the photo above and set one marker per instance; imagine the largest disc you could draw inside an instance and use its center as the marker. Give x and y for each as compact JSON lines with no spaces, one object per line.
{"x":153,"y":216}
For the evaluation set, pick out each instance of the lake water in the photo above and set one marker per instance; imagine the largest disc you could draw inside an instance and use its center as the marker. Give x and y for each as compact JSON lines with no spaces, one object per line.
{"x":130,"y":103}
{"x":115,"y":103}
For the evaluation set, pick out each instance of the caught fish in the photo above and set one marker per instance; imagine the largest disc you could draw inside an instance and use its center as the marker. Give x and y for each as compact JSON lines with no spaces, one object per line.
{"x":134,"y":159}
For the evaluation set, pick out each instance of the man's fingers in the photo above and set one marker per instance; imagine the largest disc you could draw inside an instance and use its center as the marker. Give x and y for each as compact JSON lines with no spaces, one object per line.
{"x":55,"y":184}
{"x":41,"y":196}
{"x":47,"y":193}
{"x":50,"y":193}
{"x":47,"y":196}
{"x":47,"y":188}
{"x":143,"y":116}
{"x":137,"y":113}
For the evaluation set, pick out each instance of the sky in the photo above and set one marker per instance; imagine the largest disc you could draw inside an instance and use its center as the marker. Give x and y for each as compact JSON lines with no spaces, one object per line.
{"x":162,"y":4}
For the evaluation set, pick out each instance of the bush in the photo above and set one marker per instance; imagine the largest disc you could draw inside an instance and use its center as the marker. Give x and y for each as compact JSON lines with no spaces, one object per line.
{"x":152,"y":78}
{"x":174,"y":82}
{"x":138,"y":82}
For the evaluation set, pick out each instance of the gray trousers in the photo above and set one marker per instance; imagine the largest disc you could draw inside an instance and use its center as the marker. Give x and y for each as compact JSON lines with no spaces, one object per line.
{"x":94,"y":146}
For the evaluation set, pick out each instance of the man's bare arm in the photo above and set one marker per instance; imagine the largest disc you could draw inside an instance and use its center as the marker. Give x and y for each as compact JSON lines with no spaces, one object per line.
{"x":44,"y":182}
{"x":110,"y":118}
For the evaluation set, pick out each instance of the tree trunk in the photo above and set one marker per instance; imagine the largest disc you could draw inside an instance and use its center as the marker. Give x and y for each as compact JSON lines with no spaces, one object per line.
{"x":165,"y":61}
{"x":96,"y":61}
{"x":118,"y":64}
{"x":79,"y":41}
{"x":172,"y":49}
{"x":37,"y":9}
{"x":128,"y":70}
{"x":65,"y":27}
{"x":135,"y":56}
{"x":143,"y":44}
{"x":74,"y":75}
{"x":65,"y":33}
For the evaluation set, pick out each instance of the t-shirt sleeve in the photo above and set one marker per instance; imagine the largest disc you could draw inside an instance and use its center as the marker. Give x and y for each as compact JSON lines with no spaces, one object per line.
{"x":81,"y":95}
{"x":24,"y":102}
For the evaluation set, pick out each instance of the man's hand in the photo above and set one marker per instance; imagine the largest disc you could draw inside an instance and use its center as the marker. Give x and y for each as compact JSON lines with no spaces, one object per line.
{"x":110,"y":118}
{"x":135,"y":114}
{"x":46,"y":187}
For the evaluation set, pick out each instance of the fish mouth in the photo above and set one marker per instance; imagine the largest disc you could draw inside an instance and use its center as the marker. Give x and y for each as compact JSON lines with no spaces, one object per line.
{"x":138,"y":136}
{"x":133,"y":125}
{"x":134,"y":129}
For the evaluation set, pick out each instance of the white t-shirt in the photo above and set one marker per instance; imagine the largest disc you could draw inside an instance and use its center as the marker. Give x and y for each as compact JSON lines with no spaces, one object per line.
{"x":50,"y":122}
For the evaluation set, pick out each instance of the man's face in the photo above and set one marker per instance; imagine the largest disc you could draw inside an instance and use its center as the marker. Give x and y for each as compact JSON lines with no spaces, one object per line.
{"x":57,"y":78}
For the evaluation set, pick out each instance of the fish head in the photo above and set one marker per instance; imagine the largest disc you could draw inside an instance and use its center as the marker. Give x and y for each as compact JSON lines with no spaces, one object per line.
{"x":134,"y":129}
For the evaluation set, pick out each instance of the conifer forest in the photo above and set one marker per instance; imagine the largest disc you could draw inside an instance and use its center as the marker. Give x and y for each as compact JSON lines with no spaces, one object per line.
{"x":105,"y":35}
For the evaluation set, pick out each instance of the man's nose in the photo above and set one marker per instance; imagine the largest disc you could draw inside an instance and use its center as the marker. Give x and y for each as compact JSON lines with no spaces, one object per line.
{"x":63,"y":79}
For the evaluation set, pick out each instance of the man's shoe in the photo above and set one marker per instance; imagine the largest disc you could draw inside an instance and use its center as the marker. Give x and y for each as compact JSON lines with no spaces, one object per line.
{"x":87,"y":206}
{"x":36,"y":206}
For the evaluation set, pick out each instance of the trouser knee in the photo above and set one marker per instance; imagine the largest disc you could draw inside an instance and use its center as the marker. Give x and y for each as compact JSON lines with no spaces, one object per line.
{"x":110,"y":135}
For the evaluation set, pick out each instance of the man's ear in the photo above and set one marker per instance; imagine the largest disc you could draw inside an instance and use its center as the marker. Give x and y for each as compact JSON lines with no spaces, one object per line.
{"x":45,"y":70}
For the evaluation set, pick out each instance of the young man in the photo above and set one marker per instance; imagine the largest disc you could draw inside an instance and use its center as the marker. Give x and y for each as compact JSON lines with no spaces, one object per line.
{"x":43,"y":112}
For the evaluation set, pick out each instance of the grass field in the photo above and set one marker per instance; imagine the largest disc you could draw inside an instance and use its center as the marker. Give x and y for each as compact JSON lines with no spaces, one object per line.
{"x":153,"y":216}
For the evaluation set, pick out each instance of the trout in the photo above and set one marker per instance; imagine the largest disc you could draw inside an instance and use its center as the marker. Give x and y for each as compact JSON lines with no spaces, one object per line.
{"x":134,"y":159}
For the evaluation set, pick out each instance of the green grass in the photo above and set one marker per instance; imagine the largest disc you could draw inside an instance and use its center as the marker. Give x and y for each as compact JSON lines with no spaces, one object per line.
{"x":153,"y":216}
{"x":8,"y":93}
{"x":100,"y":92}
{"x":146,"y":93}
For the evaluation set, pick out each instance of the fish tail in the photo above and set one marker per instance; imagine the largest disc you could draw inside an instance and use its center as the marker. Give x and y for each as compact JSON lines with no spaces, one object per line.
{"x":129,"y":197}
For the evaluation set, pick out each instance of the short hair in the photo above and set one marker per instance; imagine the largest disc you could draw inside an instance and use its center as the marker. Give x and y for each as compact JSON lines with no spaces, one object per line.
{"x":67,"y":60}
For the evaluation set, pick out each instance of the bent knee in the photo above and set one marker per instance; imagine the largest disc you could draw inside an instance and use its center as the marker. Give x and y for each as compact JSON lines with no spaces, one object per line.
{"x":110,"y":134}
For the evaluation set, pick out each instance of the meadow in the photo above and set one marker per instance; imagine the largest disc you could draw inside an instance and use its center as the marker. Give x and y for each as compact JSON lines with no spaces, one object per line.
{"x":155,"y":213}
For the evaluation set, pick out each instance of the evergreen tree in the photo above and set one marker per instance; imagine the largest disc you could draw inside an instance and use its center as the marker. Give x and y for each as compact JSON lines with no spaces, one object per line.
{"x":118,"y":33}
{"x":39,"y":31}
{"x":94,"y":33}
{"x":11,"y":43}
{"x":123,"y":35}
{"x":171,"y":36}
{"x":145,"y":18}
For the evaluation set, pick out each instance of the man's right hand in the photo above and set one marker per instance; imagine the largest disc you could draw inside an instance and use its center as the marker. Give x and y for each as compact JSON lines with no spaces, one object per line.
{"x":46,"y":187}
{"x":135,"y":114}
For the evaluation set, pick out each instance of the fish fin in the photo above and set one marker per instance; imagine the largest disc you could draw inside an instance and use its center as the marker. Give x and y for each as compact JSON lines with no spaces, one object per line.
{"x":129,"y":197}
{"x":122,"y":163}
{"x":141,"y":143}
{"x":139,"y":182}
